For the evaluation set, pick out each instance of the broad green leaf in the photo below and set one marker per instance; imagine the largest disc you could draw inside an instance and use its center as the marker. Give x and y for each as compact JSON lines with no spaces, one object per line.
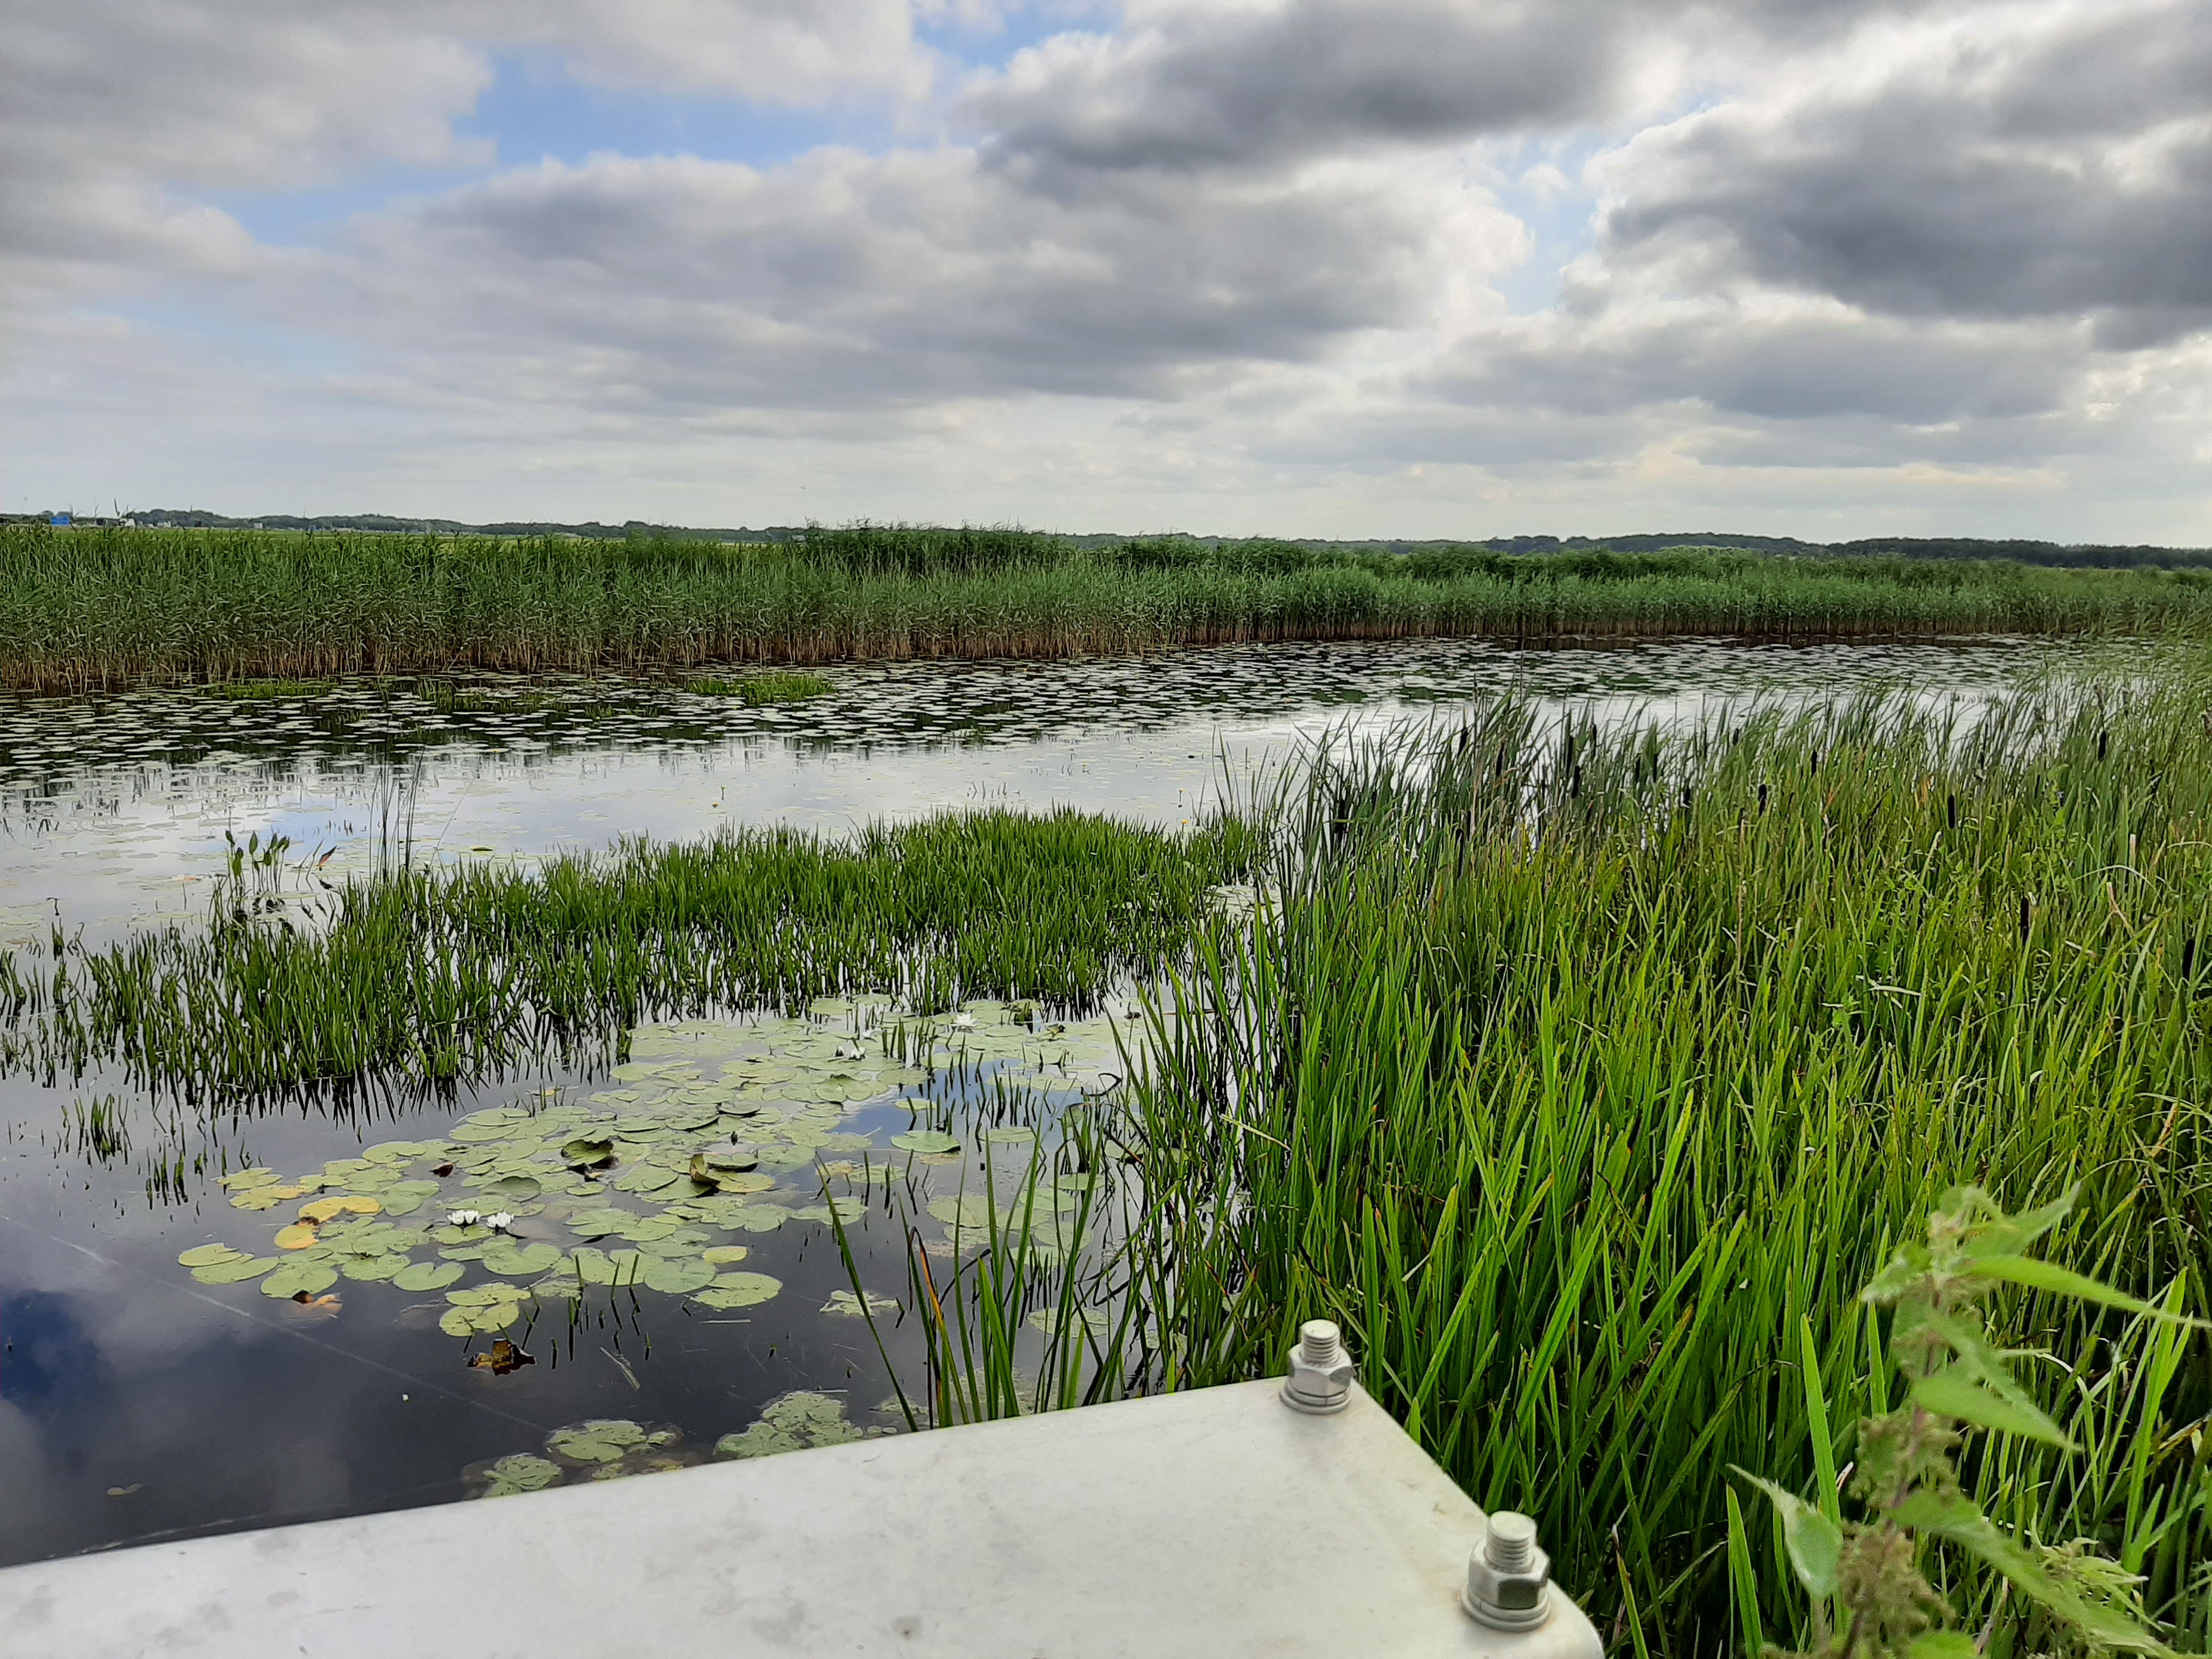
{"x":208,"y":1255}
{"x":1958,"y":1519}
{"x":291,"y":1278}
{"x":738,"y":1290}
{"x":677,"y":1277}
{"x":2062,"y":1281}
{"x":524,"y":1472}
{"x":1815,"y":1543}
{"x":235,"y":1273}
{"x":929,"y":1142}
{"x":428,"y":1275}
{"x":1951,"y":1392}
{"x":1944,"y":1645}
{"x":373,"y":1268}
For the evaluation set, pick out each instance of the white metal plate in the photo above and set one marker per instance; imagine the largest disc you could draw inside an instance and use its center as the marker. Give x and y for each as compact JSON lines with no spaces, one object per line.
{"x":1212,"y":1523}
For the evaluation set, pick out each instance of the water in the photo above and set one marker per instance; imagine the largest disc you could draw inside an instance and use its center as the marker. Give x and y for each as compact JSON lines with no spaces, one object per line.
{"x":136,"y":1402}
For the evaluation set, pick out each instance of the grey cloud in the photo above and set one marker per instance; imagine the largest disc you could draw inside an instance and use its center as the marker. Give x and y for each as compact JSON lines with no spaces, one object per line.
{"x":845,"y":279}
{"x":1203,"y":87}
{"x":2049,"y":171}
{"x":1808,"y":366}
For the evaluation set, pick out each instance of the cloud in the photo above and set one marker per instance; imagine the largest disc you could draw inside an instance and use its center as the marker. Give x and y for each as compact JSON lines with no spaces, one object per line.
{"x":2007,"y":161}
{"x":1207,"y":252}
{"x":847,"y":280}
{"x":1197,"y":86}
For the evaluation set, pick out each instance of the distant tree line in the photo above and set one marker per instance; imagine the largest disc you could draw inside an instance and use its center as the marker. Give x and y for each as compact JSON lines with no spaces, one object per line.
{"x":1265,"y":552}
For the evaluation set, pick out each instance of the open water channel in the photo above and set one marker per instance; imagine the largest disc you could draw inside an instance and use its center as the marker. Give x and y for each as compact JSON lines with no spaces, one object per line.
{"x":288,"y":1369}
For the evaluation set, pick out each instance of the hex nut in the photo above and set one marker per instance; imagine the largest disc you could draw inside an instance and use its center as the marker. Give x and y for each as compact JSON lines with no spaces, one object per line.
{"x":1321,"y":1371}
{"x":1508,"y":1597}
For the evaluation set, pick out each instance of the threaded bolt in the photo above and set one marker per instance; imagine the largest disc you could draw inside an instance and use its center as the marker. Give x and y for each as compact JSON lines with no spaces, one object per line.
{"x":1512,"y":1541}
{"x":1320,"y":1379}
{"x":1321,"y":1344}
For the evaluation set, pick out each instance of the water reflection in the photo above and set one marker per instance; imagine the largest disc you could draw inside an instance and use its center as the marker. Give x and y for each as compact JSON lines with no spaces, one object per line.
{"x":112,"y":812}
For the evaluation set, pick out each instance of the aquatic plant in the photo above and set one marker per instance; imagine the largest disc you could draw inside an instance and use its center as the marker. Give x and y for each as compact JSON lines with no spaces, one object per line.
{"x":1584,"y":1076}
{"x":424,"y":976}
{"x":759,"y":690}
{"x":108,"y":607}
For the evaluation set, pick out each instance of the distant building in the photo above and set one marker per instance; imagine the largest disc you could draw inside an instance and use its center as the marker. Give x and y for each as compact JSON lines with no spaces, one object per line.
{"x":60,"y":519}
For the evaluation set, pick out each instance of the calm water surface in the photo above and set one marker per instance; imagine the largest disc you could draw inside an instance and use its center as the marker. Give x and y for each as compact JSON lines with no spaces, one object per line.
{"x":136,"y":1401}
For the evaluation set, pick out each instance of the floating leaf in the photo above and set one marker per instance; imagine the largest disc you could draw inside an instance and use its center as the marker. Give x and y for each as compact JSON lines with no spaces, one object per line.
{"x":257,"y":1198}
{"x":601,"y":1220}
{"x":930,"y":1142}
{"x":602,"y":1267}
{"x":738,"y":1290}
{"x":723,"y":1255}
{"x":260,"y":1175}
{"x":207,"y":1256}
{"x":297,"y":1237}
{"x":291,"y":1278}
{"x":483,"y":1296}
{"x":373,"y":1267}
{"x":585,"y":1153}
{"x":235,"y":1273}
{"x":798,"y":1420}
{"x":508,"y":1260}
{"x":329,"y":1209}
{"x":516,"y":1187}
{"x":601,"y":1440}
{"x":849,"y":1207}
{"x":524,"y":1472}
{"x":845,"y":1305}
{"x":964,"y":1210}
{"x":428,"y":1275}
{"x":677,"y":1277}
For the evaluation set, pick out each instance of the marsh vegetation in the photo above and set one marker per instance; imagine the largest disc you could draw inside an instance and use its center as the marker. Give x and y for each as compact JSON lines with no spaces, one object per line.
{"x":1583,"y":1067}
{"x":106,"y":608}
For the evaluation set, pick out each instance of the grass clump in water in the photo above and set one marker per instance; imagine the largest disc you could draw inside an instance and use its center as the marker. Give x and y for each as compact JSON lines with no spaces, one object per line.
{"x":427,"y":975}
{"x":759,"y":690}
{"x":1585,"y":1076}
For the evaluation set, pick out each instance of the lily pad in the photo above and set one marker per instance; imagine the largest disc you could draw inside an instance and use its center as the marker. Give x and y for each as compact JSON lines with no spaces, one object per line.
{"x":524,"y":1472}
{"x":510,"y":1260}
{"x":605,"y":1268}
{"x":930,"y":1142}
{"x":208,"y":1255}
{"x":723,"y":1255}
{"x":258,"y":1176}
{"x":587,"y":1153}
{"x":291,"y":1278}
{"x":738,"y":1290}
{"x":603,"y":1220}
{"x":962,"y":1210}
{"x":518,"y":1187}
{"x":601,"y":1440}
{"x":297,"y":1237}
{"x":329,"y":1209}
{"x":798,"y":1420}
{"x":235,"y":1273}
{"x":677,"y":1277}
{"x":428,"y":1275}
{"x":845,"y":1305}
{"x":373,"y":1267}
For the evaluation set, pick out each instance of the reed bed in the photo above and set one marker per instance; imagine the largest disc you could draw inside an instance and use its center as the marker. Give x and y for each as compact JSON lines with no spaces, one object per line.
{"x":427,"y":976}
{"x":84,"y":608}
{"x":1585,"y":1077}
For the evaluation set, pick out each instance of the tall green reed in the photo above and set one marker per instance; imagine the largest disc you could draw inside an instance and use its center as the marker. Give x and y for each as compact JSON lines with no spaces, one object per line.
{"x":98,"y":608}
{"x":1584,"y":1075}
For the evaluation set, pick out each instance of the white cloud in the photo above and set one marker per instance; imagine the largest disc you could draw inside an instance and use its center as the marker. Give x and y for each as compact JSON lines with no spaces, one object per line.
{"x":1233,"y":258}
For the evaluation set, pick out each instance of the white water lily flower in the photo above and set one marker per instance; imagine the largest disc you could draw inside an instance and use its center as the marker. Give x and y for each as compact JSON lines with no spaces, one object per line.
{"x":500,"y":1223}
{"x":963,"y":1022}
{"x":463,"y":1219}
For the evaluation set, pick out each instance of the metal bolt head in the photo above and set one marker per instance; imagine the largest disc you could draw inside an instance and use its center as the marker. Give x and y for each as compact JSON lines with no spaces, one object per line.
{"x":1321,"y":1372}
{"x":1507,"y":1574}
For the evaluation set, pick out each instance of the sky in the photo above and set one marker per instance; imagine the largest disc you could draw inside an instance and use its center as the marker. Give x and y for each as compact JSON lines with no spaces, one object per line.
{"x":1356,"y":268}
